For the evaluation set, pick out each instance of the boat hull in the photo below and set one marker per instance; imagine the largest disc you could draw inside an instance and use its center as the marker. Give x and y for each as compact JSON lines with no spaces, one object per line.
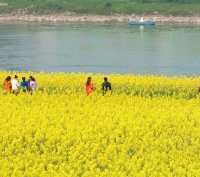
{"x":145,"y":23}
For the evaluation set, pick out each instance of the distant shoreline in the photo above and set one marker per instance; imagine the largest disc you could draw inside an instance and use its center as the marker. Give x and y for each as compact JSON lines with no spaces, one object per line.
{"x":160,"y":19}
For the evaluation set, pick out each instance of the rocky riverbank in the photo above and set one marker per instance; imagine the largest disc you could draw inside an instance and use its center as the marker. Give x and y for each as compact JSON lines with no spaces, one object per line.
{"x":193,"y":20}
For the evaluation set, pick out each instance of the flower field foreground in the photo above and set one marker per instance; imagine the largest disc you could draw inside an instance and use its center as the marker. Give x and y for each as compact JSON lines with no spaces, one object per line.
{"x":148,"y":127}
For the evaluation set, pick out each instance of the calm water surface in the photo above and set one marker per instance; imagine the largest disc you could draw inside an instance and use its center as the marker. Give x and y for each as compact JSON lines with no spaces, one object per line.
{"x":107,"y":48}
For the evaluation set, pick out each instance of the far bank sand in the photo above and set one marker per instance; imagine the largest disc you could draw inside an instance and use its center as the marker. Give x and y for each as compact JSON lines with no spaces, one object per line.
{"x":193,"y":20}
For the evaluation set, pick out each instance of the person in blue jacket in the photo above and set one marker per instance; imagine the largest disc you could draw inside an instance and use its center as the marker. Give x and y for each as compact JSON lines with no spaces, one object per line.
{"x":106,"y":86}
{"x":24,"y":84}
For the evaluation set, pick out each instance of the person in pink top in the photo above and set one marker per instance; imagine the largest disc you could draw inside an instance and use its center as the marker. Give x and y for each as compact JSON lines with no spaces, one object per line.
{"x":89,"y":87}
{"x":32,"y":85}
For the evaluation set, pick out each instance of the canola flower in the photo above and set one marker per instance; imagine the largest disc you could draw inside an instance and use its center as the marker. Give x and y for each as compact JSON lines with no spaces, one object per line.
{"x":148,"y":127}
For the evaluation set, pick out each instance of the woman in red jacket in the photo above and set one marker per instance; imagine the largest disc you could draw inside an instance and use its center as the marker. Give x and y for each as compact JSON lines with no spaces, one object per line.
{"x":7,"y":86}
{"x":89,"y":87}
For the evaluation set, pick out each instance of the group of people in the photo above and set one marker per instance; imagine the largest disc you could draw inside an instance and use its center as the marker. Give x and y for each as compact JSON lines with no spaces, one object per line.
{"x":13,"y":85}
{"x":106,"y":86}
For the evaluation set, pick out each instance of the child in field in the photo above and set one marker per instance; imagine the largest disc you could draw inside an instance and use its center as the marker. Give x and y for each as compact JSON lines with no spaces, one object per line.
{"x":106,"y":86}
{"x":15,"y":85}
{"x":24,"y":84}
{"x":89,"y":87}
{"x":7,"y":86}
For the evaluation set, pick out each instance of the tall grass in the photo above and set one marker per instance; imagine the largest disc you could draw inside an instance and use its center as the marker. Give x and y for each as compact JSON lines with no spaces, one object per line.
{"x":166,"y":7}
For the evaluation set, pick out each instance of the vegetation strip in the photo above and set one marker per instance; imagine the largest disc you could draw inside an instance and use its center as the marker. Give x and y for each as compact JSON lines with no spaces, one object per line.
{"x":164,"y":7}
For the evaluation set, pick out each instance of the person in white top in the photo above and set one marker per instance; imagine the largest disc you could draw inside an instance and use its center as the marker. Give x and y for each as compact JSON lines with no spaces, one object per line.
{"x":15,"y":85}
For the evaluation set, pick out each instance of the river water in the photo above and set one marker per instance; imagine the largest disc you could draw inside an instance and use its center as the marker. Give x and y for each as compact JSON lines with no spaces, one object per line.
{"x":104,"y":48}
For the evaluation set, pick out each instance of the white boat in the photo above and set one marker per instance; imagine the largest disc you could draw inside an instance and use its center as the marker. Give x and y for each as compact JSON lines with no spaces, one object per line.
{"x":142,"y":22}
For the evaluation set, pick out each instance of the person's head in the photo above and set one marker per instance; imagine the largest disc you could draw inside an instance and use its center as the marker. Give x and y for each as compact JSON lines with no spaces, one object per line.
{"x":105,"y":79}
{"x":33,"y":79}
{"x":8,"y":78}
{"x":16,"y":77}
{"x":89,"y":79}
{"x":30,"y":77}
{"x":23,"y":79}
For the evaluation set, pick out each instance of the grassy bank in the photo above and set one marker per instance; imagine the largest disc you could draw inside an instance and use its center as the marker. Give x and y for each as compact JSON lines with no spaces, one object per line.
{"x":164,"y":7}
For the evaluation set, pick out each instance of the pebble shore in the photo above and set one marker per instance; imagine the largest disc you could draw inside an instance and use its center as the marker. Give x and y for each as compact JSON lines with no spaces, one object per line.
{"x":193,"y":20}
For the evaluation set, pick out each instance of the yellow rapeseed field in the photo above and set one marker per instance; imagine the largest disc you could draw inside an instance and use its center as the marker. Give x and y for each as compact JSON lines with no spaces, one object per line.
{"x":148,"y":127}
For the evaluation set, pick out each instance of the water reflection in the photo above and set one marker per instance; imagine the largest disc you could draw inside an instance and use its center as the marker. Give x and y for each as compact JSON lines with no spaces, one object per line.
{"x":100,"y":48}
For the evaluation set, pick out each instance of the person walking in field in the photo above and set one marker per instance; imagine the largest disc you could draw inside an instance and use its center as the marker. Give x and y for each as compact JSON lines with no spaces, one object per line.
{"x":89,"y":87}
{"x":24,"y":84}
{"x":29,"y":80}
{"x":32,"y":85}
{"x":7,"y":86}
{"x":106,"y":86}
{"x":15,"y":85}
